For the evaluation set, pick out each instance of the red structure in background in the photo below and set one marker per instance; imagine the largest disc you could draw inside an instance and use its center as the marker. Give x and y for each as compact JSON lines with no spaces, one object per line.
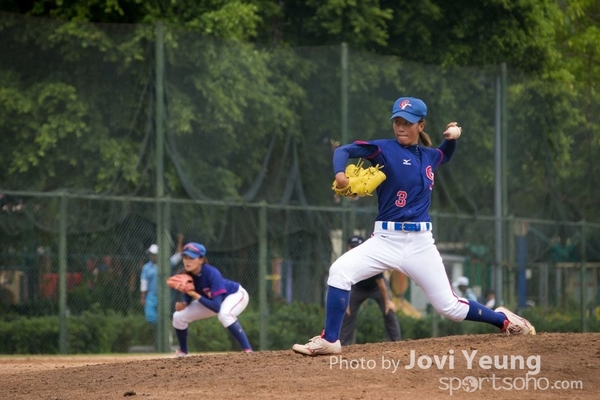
{"x":49,"y":286}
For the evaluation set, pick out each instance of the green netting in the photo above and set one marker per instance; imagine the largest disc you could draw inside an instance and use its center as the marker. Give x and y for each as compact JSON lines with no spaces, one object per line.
{"x":103,"y":264}
{"x":75,"y":103}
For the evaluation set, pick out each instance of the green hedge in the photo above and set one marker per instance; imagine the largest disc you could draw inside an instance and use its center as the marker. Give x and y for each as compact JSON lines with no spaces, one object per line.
{"x":99,"y":331}
{"x":91,"y":332}
{"x":370,"y":327}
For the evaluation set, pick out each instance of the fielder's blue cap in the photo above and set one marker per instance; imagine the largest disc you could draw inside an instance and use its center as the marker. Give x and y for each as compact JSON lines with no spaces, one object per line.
{"x":409,"y":108}
{"x":194,"y":250}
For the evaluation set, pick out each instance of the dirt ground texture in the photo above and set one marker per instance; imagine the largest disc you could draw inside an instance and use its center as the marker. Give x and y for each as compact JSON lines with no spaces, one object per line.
{"x":560,"y":366}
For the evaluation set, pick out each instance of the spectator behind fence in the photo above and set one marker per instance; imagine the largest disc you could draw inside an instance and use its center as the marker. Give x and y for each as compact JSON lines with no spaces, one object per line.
{"x":462,"y":284}
{"x":149,"y":286}
{"x":489,"y":299}
{"x":149,"y":283}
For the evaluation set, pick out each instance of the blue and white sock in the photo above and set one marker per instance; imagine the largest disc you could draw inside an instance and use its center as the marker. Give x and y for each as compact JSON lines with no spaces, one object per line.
{"x":238,"y":333}
{"x":182,"y":335}
{"x":479,"y":312}
{"x":335,"y":308}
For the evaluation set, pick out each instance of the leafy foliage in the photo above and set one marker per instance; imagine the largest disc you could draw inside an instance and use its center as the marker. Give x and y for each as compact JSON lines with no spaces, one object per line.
{"x":249,"y":103}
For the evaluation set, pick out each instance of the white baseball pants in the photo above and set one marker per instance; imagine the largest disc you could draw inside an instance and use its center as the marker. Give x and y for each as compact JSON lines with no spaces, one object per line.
{"x":412,"y":253}
{"x":232,"y":306}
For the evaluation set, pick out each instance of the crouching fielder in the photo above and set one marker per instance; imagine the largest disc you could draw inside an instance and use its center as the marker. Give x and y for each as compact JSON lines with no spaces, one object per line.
{"x":213,"y":296}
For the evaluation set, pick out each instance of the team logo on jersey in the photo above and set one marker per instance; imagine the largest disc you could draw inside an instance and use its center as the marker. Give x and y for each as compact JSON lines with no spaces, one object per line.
{"x":429,"y":174}
{"x":404,"y":103}
{"x":406,"y":162}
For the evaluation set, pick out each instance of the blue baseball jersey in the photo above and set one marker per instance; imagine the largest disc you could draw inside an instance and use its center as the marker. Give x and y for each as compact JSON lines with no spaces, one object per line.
{"x":210,"y":284}
{"x":405,"y":195}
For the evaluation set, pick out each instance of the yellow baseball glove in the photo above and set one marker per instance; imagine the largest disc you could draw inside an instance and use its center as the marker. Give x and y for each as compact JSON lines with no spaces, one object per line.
{"x":363,"y":181}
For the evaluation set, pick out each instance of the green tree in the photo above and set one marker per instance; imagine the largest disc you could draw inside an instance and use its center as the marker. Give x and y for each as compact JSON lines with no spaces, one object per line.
{"x":70,"y":99}
{"x":75,"y":91}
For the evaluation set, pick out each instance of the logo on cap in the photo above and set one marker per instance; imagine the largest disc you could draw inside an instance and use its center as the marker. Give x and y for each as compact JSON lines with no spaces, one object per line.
{"x":409,"y":108}
{"x":194,"y":250}
{"x":404,"y":103}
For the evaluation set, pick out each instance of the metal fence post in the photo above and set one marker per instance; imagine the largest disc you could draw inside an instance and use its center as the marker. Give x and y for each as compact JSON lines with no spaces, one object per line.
{"x":63,"y":334}
{"x":582,"y":281}
{"x":344,"y":130}
{"x":520,"y":230}
{"x":161,"y":339}
{"x":262,"y":275}
{"x":435,"y":318}
{"x":164,"y":271}
{"x":498,"y":197}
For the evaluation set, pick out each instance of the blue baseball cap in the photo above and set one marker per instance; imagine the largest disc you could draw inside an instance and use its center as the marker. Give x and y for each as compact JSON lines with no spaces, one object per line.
{"x":194,"y":250}
{"x":409,"y":108}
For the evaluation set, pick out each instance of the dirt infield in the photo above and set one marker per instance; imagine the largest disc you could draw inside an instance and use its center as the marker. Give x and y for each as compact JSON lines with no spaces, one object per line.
{"x":560,"y":366}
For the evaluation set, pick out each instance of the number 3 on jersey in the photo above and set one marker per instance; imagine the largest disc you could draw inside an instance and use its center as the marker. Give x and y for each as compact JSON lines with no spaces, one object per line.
{"x":401,"y":202}
{"x":402,"y":195}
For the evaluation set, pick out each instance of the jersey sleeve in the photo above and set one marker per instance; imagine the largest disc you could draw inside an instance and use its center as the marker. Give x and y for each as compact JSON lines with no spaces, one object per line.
{"x":217,"y":284}
{"x":218,"y":291}
{"x":446,"y":150}
{"x":144,"y":279}
{"x":358,"y":149}
{"x":215,"y":303}
{"x":187,"y":298}
{"x":441,"y":154}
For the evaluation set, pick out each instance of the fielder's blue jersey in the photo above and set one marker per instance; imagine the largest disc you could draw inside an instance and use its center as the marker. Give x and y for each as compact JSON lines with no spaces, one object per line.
{"x":210,"y":283}
{"x":405,"y":194}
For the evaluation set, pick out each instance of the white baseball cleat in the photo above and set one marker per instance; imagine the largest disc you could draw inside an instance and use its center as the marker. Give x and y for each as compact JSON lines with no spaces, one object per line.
{"x":180,"y":354}
{"x":515,"y":325}
{"x":318,"y":346}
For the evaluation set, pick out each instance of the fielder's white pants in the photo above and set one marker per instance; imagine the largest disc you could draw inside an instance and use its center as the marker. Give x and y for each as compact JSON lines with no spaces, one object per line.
{"x":412,"y":253}
{"x":231,"y":307}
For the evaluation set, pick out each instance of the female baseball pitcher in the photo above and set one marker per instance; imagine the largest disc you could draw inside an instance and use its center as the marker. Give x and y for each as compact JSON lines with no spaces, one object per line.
{"x":402,"y":237}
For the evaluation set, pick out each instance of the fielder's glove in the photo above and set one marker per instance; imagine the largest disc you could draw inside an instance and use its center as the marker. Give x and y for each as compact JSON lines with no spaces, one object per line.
{"x":181,"y":282}
{"x":362,"y":181}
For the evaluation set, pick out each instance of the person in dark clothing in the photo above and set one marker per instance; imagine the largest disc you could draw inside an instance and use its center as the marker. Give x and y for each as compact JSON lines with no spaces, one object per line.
{"x":372,"y":288}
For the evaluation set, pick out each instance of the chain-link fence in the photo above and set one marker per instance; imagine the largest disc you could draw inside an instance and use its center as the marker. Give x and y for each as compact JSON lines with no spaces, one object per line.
{"x":115,"y":137}
{"x":280,"y":254}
